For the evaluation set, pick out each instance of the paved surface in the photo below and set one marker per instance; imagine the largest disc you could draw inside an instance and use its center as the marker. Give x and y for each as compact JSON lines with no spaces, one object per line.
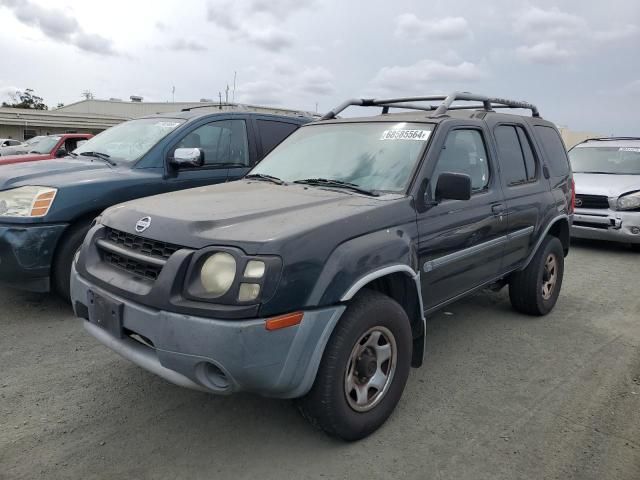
{"x":502,"y":396}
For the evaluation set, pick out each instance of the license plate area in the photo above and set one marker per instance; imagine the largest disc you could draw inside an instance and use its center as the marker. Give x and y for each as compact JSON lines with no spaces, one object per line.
{"x":106,"y":313}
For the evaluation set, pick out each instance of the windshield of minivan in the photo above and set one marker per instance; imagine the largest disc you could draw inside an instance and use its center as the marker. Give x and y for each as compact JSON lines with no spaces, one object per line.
{"x":44,"y":145}
{"x":376,"y":156}
{"x":609,"y":160}
{"x":130,"y":140}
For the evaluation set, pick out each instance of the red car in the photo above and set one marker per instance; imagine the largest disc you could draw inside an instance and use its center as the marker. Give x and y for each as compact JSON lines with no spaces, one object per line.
{"x":51,"y":146}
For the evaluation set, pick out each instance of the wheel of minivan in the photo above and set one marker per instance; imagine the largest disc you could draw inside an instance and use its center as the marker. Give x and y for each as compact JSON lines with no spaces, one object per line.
{"x":535,"y":289}
{"x":364,"y":369}
{"x":67,"y":248}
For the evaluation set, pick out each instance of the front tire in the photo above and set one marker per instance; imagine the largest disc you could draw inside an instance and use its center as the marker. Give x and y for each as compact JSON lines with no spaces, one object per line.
{"x":535,"y":289}
{"x":364,"y":369}
{"x":67,"y":248}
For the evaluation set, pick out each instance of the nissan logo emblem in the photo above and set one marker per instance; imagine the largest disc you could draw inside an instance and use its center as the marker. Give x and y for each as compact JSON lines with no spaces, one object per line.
{"x":143,"y":224}
{"x":578,"y":202}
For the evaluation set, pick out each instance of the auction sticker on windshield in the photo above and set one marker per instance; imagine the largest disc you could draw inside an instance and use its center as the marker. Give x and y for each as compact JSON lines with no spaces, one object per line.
{"x":629,"y":149}
{"x":167,"y":124}
{"x":420,"y":135}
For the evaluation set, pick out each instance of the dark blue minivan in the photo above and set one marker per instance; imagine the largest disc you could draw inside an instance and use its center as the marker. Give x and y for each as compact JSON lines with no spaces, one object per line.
{"x":46,"y":208}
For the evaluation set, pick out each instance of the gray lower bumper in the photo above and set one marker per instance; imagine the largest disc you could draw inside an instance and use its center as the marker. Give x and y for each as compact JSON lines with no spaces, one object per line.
{"x":607,"y":224}
{"x":220,"y":356}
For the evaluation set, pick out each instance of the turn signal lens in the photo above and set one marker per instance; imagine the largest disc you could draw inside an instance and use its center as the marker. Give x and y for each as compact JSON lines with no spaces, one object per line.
{"x":284,"y":321}
{"x":248,"y":291}
{"x":42,"y":203}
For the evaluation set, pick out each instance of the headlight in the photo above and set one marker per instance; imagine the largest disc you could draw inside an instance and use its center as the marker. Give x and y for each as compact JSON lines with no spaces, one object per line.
{"x":631,"y":201}
{"x":26,"y":201}
{"x":218,"y":273}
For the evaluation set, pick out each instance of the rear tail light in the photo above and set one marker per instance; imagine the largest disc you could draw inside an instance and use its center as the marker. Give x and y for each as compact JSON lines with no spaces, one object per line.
{"x":572,"y":207}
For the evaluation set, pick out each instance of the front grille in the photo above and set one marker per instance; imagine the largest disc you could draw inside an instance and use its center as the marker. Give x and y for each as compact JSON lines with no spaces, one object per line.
{"x":591,"y":201}
{"x":145,"y":246}
{"x":138,"y":245}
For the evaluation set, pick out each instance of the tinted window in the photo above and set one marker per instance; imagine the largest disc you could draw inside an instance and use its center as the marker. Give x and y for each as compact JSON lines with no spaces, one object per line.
{"x":464,"y":152}
{"x":223,"y":142}
{"x":272,"y":133}
{"x":511,"y":157}
{"x":527,"y":150}
{"x":556,"y":154}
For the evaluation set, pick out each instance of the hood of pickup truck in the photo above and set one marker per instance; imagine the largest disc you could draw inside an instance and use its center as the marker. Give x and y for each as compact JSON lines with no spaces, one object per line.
{"x":27,"y":157}
{"x":254,"y":215}
{"x":52,"y":173}
{"x":607,"y":185}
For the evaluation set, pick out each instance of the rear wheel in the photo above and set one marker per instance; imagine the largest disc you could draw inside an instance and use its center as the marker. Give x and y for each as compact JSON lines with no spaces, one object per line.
{"x":535,"y":289}
{"x":69,"y":244}
{"x":364,"y":369}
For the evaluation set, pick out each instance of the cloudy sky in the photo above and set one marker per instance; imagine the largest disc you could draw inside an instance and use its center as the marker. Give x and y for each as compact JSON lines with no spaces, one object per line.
{"x":579,"y":61}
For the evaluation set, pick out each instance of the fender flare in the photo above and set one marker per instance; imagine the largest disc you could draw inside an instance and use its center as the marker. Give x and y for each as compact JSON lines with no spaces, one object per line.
{"x":543,"y":236}
{"x":382,"y":272}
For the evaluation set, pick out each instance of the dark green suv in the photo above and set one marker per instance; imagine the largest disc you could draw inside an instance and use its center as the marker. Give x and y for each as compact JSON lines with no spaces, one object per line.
{"x":313,"y":277}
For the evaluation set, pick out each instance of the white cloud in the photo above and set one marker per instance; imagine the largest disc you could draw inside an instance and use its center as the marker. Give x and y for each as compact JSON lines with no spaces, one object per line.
{"x":284,"y":83}
{"x":410,"y":27}
{"x":58,"y":25}
{"x":544,"y":52}
{"x":422,"y":75}
{"x":613,"y":35}
{"x":253,"y":21}
{"x":187,"y":45}
{"x":538,"y":23}
{"x":632,"y":88}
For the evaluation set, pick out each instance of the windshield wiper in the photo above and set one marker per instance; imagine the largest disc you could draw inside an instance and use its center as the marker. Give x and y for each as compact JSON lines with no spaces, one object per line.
{"x":101,"y":156}
{"x":601,"y":173}
{"x":74,"y":155}
{"x":325,"y":182}
{"x":268,"y":178}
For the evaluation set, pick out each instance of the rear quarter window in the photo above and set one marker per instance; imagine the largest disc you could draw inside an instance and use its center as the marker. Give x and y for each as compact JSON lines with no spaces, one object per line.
{"x":554,"y":150}
{"x":273,"y":132}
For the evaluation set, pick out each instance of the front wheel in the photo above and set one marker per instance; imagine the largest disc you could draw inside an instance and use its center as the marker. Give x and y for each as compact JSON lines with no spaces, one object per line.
{"x":69,"y":244}
{"x":364,"y":369}
{"x":535,"y":289}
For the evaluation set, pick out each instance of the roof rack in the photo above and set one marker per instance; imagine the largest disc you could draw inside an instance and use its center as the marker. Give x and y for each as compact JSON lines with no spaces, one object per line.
{"x":488,"y":104}
{"x":609,"y":139}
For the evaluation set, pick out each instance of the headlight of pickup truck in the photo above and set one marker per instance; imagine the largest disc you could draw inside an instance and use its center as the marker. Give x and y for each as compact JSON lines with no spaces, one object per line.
{"x":630,"y":201}
{"x":228,"y":276}
{"x":27,"y":201}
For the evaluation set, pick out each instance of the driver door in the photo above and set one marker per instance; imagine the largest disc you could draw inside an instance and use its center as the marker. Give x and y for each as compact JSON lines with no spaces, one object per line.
{"x":461,"y":241}
{"x":225,"y":144}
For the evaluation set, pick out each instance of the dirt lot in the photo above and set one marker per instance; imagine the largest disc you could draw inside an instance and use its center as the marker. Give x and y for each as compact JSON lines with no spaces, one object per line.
{"x":502,"y":396}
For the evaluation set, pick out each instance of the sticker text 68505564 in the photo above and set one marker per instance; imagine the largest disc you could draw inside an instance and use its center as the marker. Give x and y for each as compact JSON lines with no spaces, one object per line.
{"x":420,"y":135}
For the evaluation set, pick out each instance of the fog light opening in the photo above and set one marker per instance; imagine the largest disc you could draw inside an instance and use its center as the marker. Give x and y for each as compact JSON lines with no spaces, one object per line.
{"x":212,"y":376}
{"x":635,"y":230}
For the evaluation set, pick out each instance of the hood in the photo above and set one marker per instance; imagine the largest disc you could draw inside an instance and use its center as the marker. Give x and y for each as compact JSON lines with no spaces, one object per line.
{"x":257,"y":216}
{"x":26,"y":157}
{"x":608,"y":185}
{"x":52,"y":173}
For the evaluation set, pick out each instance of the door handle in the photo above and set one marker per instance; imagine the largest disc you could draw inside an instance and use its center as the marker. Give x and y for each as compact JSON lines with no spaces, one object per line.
{"x":497,"y":209}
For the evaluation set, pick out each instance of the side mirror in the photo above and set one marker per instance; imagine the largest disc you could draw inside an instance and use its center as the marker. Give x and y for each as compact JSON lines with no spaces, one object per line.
{"x":453,"y":186}
{"x":187,"y":157}
{"x":61,"y":153}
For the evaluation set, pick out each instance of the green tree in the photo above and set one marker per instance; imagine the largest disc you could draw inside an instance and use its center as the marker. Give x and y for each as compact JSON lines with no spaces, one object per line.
{"x":26,"y":99}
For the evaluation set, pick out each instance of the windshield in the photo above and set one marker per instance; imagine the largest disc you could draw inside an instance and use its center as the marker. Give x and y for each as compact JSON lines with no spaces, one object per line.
{"x":610,"y":160}
{"x":130,"y":140}
{"x":33,"y":140}
{"x":374,"y":156}
{"x":44,"y":145}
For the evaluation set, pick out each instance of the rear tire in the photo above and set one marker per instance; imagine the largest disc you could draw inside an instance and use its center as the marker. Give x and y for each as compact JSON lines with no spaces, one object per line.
{"x":364,"y":369}
{"x":535,"y":289}
{"x":69,"y":244}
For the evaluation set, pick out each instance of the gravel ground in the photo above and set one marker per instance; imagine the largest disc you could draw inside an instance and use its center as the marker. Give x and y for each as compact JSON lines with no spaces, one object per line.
{"x":502,"y":396}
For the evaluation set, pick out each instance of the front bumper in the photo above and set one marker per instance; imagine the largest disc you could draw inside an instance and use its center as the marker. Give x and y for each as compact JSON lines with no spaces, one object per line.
{"x":219,"y":356}
{"x":26,"y":253}
{"x":606,"y":224}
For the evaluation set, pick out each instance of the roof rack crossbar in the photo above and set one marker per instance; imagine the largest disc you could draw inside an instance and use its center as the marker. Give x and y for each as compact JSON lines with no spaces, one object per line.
{"x":488,"y":104}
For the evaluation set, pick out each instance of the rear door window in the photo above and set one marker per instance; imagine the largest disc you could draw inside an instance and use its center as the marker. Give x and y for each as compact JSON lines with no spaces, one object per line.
{"x":555,"y":152}
{"x":273,"y":132}
{"x":512,"y":163}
